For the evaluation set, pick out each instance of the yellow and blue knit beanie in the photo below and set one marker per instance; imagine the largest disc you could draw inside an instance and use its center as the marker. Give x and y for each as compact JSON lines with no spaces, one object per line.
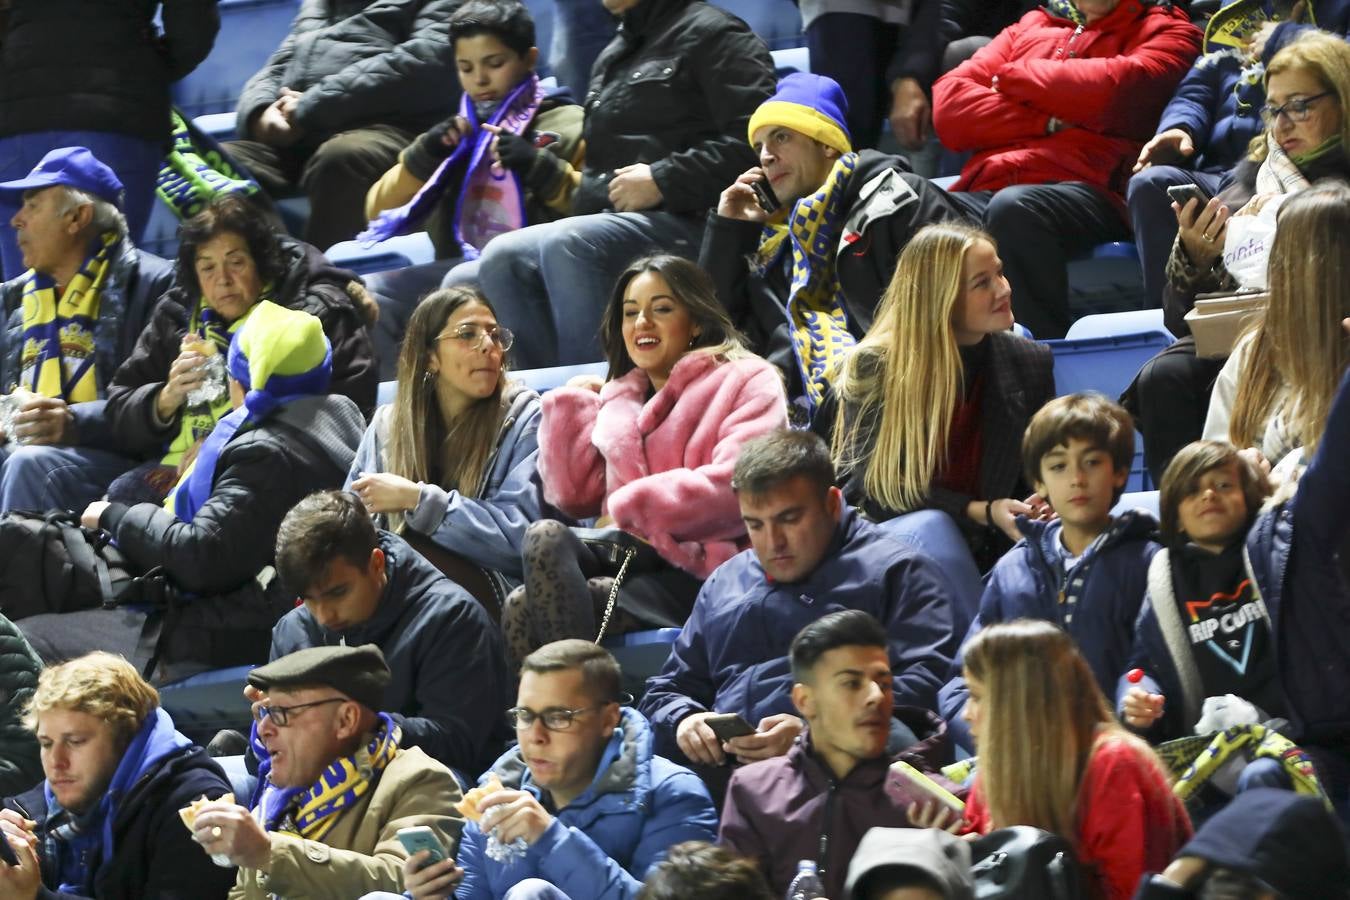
{"x":279,"y":353}
{"x":810,"y":104}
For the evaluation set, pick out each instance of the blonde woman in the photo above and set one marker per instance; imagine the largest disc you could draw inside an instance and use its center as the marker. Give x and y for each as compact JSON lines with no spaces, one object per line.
{"x":1052,"y":755}
{"x":1275,"y":391}
{"x":450,"y":464}
{"x":929,"y":410}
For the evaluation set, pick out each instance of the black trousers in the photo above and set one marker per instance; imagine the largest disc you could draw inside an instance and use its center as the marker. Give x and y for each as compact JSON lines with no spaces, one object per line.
{"x":855,"y":50}
{"x":1170,"y":399}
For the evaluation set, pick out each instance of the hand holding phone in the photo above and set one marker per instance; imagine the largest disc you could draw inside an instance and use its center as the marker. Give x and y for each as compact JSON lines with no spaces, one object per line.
{"x":421,"y":837}
{"x":7,"y":853}
{"x":765,"y":197}
{"x":728,"y":725}
{"x":915,"y":787}
{"x":1180,"y":193}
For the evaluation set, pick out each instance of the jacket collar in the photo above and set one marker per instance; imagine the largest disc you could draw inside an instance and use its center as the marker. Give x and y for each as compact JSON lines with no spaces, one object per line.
{"x":867,"y":774}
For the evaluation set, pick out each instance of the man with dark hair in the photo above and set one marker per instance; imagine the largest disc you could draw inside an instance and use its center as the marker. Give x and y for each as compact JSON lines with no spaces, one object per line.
{"x":819,"y":800}
{"x":363,"y":586}
{"x":594,"y":807}
{"x":810,"y":555}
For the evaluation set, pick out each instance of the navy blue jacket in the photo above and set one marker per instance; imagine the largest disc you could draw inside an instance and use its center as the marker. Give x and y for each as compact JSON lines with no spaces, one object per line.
{"x":449,"y":684}
{"x":731,"y":655}
{"x":1026,"y":584}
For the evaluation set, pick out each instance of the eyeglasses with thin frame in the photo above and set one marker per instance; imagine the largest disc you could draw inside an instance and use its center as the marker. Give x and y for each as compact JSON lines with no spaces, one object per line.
{"x":281,"y":715}
{"x":1295,"y":110}
{"x":554,"y":718}
{"x":472,"y":336}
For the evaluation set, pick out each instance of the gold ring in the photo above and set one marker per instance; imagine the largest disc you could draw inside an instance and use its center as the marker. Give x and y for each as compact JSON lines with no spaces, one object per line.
{"x":1206,"y":237}
{"x":215,"y":832}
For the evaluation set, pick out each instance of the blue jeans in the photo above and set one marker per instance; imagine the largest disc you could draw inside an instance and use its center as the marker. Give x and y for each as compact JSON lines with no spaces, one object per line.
{"x":549,"y":283}
{"x":41,"y":478}
{"x":581,"y":29}
{"x":135,"y":160}
{"x":934,"y":534}
{"x":1155,"y":225}
{"x":398,"y":292}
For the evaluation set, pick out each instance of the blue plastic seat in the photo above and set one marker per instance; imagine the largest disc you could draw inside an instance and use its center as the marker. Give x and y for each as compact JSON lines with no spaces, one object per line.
{"x":1145,"y":500}
{"x":204,"y":704}
{"x":791,"y":59}
{"x":385,"y":256}
{"x":1137,"y":321}
{"x":641,"y":654}
{"x":249,"y":31}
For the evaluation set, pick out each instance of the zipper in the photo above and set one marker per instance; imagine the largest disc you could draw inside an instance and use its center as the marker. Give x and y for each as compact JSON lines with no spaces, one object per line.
{"x":1069,"y":46}
{"x":824,"y":848}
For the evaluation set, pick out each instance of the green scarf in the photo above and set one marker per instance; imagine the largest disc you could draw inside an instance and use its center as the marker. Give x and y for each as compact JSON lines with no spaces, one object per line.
{"x":197,"y":169}
{"x":815,"y":306}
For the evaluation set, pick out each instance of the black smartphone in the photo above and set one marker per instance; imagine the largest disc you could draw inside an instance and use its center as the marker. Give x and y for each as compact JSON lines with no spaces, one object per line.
{"x":1180,"y":193}
{"x":765,"y":197}
{"x":729,"y":725}
{"x":7,"y":852}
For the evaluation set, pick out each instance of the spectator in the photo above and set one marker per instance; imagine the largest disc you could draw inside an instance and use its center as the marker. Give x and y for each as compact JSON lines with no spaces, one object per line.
{"x":806,"y":283}
{"x":104,"y":823}
{"x":910,"y":864}
{"x":349,"y":87}
{"x":929,"y":411}
{"x":506,"y":120}
{"x":450,"y":464}
{"x":229,"y":260}
{"x":668,"y":101}
{"x":707,"y":871}
{"x":20,"y":767}
{"x":1085,"y":570}
{"x":215,"y":534}
{"x":1307,"y":91}
{"x":1265,"y":844}
{"x":819,"y":800}
{"x":85,"y":299}
{"x":1056,"y":109}
{"x":651,"y":452}
{"x":810,"y":557}
{"x":337,"y":784}
{"x":595,"y":806}
{"x":1087,"y":779}
{"x":115,"y":101}
{"x":359,"y":586}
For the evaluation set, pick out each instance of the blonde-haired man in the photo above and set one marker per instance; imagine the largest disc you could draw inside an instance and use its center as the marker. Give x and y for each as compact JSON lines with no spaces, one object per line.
{"x":104,"y":823}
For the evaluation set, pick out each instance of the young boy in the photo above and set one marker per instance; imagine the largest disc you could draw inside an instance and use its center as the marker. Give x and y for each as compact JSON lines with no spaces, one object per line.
{"x":1086,"y":570}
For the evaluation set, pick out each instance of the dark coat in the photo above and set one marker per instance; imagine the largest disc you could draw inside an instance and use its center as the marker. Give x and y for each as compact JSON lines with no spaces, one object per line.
{"x":937,"y":23}
{"x":72,"y":64}
{"x":361,"y":62}
{"x":449,"y":683}
{"x":310,"y":284}
{"x":136,"y":280}
{"x":20,"y":768}
{"x":885,"y":203}
{"x":675,"y":89}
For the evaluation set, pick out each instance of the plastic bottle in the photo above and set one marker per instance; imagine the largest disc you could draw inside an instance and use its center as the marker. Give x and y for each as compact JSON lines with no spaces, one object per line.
{"x":806,"y":886}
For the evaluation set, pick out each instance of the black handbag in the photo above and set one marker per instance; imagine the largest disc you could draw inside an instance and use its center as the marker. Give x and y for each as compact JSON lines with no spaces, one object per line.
{"x":623,"y":555}
{"x":1024,"y":863}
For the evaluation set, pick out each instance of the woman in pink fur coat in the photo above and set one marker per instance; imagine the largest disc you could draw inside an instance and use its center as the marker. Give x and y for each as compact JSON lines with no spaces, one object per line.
{"x":650,"y":452}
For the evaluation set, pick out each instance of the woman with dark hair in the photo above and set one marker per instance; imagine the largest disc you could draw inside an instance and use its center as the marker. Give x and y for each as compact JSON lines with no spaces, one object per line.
{"x":650,"y":451}
{"x":450,"y":463}
{"x":229,"y":259}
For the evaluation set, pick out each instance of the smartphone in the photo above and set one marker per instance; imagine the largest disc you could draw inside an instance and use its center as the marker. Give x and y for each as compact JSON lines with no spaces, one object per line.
{"x":919,"y":788}
{"x":1183,"y":192}
{"x":729,"y":725}
{"x":7,"y":852}
{"x":419,"y":838}
{"x":765,"y":197}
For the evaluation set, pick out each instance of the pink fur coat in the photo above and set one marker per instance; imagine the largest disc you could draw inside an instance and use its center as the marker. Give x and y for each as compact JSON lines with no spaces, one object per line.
{"x":661,"y":468}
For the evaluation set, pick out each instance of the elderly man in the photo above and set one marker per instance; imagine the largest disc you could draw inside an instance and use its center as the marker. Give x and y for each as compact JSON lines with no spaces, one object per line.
{"x":337,"y":785}
{"x":70,"y":321}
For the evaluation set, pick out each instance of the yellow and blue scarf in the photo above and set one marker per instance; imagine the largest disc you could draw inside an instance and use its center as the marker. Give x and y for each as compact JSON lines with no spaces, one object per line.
{"x":815,"y":306}
{"x":57,"y":359}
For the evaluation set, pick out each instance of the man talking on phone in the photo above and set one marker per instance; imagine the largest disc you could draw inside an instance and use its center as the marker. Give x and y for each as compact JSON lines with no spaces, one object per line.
{"x":802,"y":245}
{"x":810,"y":555}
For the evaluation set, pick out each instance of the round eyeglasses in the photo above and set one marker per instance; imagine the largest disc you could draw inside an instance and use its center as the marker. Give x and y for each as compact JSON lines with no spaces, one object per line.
{"x":472,"y":336}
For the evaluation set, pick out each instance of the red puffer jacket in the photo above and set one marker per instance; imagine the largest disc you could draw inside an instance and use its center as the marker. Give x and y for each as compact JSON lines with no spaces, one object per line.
{"x":1108,"y":82}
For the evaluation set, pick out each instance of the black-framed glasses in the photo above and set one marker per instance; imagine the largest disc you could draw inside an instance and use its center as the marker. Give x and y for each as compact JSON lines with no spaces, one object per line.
{"x":1295,"y":110}
{"x":472,"y":336}
{"x":554,"y":718}
{"x":281,"y":715}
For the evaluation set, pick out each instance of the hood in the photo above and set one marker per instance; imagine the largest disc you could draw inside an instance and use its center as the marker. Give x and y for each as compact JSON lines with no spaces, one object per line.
{"x":1042,"y":538}
{"x":333,"y":424}
{"x":625,"y":766}
{"x":943,"y":857}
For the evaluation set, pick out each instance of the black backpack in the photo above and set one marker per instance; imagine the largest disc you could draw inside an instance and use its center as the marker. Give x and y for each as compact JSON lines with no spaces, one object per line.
{"x":49,"y":563}
{"x":1024,"y":863}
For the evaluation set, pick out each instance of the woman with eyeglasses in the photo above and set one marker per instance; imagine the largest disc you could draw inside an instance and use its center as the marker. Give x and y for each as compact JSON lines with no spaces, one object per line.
{"x":450,"y":463}
{"x":1305,"y":140}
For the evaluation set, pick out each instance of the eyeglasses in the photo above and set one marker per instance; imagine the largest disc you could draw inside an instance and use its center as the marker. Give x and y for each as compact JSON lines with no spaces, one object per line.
{"x":281,"y":715}
{"x":554,"y":719}
{"x":1294,"y":110}
{"x":472,"y":336}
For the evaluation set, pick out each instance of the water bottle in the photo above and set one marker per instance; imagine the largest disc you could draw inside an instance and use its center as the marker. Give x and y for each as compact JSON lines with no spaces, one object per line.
{"x":806,"y":886}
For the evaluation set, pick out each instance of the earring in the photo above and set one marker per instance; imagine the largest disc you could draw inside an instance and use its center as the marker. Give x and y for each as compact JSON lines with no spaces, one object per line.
{"x":427,"y":377}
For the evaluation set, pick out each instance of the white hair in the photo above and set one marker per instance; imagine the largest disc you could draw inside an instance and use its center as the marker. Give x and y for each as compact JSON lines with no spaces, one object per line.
{"x":107,"y":217}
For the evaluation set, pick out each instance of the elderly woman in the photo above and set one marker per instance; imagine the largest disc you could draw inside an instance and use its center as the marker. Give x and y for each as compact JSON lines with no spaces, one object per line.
{"x":210,"y":544}
{"x":651,"y":453}
{"x":229,"y":260}
{"x":450,"y":464}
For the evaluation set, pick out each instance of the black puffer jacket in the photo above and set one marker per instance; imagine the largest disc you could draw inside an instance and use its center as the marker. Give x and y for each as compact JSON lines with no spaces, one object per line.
{"x":310,"y":284}
{"x":220,"y":562}
{"x":97,"y":65}
{"x":674,"y":89}
{"x":19,"y":667}
{"x":358,"y":62}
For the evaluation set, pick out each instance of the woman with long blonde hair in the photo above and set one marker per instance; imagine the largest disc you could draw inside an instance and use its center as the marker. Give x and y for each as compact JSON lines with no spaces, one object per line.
{"x":929,"y":410}
{"x":1053,"y":756}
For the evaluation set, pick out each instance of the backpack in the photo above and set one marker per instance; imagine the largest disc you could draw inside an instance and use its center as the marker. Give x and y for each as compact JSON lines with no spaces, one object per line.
{"x":49,"y":563}
{"x":1024,"y":863}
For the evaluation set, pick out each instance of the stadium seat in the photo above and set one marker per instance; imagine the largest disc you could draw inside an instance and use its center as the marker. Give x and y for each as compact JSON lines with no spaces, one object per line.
{"x":791,"y":59}
{"x":217,"y":125}
{"x":249,"y":31}
{"x":394,"y":253}
{"x":1145,"y":500}
{"x":204,"y":704}
{"x":641,"y":654}
{"x":1138,"y":321}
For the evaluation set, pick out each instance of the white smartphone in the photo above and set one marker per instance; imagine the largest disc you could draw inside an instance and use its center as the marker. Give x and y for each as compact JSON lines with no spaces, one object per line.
{"x":920,"y":788}
{"x":419,"y":838}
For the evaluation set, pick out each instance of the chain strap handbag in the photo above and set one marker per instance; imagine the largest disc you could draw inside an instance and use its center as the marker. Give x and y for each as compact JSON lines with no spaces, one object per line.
{"x":621,"y":554}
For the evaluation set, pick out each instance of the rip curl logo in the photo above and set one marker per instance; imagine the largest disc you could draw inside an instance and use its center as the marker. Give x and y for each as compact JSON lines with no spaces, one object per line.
{"x":1229,"y":634}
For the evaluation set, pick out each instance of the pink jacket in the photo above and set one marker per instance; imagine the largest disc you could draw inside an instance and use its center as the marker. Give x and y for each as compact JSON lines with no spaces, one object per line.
{"x":661,"y":468}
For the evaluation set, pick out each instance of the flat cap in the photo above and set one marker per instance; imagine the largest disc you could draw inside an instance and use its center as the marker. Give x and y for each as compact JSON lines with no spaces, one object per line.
{"x":359,"y":672}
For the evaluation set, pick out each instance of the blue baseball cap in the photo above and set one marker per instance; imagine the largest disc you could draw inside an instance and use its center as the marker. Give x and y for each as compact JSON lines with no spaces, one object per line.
{"x":73,"y":167}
